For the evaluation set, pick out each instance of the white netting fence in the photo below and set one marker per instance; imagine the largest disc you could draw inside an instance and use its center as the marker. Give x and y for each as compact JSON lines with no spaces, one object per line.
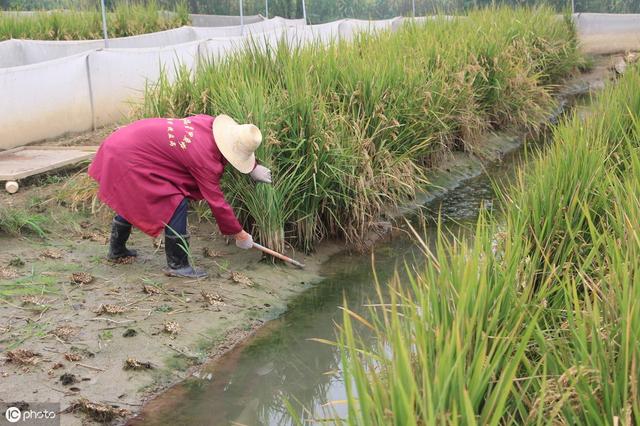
{"x":50,"y":88}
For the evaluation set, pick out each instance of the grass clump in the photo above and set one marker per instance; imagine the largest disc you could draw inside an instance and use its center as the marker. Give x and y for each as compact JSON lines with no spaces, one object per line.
{"x":535,"y":320}
{"x":15,"y":221}
{"x":352,"y":127}
{"x":125,"y":19}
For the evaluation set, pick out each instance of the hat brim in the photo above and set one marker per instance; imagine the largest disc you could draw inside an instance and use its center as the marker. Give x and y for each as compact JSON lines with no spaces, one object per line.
{"x":223,"y":136}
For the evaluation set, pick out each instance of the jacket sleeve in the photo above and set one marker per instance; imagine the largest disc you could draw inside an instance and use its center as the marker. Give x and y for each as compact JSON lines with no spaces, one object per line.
{"x":222,"y":211}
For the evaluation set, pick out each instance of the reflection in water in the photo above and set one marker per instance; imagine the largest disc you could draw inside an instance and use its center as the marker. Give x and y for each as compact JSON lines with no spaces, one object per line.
{"x":251,"y":383}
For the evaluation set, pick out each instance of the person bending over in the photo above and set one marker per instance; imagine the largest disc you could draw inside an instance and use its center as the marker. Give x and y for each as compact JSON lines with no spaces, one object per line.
{"x":148,"y":170}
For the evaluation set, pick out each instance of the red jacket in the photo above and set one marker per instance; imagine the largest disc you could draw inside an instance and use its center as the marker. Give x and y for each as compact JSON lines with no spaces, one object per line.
{"x":147,"y":168}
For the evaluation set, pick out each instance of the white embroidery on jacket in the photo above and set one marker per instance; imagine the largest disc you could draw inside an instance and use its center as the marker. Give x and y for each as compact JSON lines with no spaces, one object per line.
{"x":186,"y":138}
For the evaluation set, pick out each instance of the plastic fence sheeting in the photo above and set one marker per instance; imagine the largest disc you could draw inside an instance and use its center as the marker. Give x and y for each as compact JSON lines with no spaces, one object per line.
{"x":218,"y":48}
{"x":348,"y":28}
{"x":11,"y":54}
{"x":222,"y":20}
{"x":36,"y":51}
{"x":158,"y":39}
{"x":608,"y":33}
{"x":324,"y":33}
{"x":44,"y":100}
{"x":106,"y":81}
{"x":118,"y":76}
{"x":237,"y":31}
{"x":215,"y":49}
{"x":76,"y":93}
{"x":25,"y":52}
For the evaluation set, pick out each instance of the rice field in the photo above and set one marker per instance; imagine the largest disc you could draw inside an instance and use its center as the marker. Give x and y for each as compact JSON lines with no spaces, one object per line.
{"x":125,"y":19}
{"x":352,"y":128}
{"x":536,"y":319}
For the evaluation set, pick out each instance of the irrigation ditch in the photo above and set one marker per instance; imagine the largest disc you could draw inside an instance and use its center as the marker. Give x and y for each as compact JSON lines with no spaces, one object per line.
{"x":286,"y":373}
{"x":120,"y":334}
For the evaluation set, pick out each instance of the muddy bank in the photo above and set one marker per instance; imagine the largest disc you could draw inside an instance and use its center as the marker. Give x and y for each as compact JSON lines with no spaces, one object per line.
{"x":84,"y":334}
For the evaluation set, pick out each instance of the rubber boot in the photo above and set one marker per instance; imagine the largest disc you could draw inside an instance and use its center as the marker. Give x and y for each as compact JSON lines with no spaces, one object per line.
{"x":117,"y":245}
{"x":177,"y":249}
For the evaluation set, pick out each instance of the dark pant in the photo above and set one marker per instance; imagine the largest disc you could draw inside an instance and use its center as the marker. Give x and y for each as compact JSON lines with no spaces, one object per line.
{"x":178,"y":223}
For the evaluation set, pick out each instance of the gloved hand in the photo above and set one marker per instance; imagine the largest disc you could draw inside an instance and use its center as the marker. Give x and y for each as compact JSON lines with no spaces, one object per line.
{"x":261,"y":174}
{"x":244,"y":240}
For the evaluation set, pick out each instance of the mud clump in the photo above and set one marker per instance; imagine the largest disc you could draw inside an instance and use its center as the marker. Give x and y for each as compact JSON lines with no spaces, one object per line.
{"x":22,"y":357}
{"x":81,"y":278}
{"x":240,"y":278}
{"x":211,"y":253}
{"x":129,"y":332}
{"x":136,"y":365}
{"x":95,"y":237}
{"x":54,"y":367}
{"x":213,"y":299}
{"x":110,"y":309}
{"x":150,"y":289}
{"x":16,"y":262}
{"x":125,"y":260}
{"x":101,"y":413}
{"x":51,"y":254}
{"x":73,"y":357}
{"x":172,"y":328}
{"x":8,"y":273}
{"x":64,"y":332}
{"x":34,"y":300}
{"x":68,"y":379}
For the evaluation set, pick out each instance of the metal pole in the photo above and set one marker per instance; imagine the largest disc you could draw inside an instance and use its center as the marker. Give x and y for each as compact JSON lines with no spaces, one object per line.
{"x":241,"y":20}
{"x":573,"y":7}
{"x":266,"y":9}
{"x":304,"y":12}
{"x":413,"y":5}
{"x":104,"y":24}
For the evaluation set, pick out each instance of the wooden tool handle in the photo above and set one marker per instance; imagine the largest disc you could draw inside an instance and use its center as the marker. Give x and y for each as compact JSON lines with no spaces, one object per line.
{"x":278,"y":255}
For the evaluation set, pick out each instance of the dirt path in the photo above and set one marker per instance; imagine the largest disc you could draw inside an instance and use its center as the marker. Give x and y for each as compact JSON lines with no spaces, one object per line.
{"x":83,"y":334}
{"x":78,"y":331}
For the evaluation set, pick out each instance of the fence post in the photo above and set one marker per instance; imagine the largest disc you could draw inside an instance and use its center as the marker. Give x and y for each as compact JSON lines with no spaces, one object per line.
{"x":413,"y":7}
{"x":266,"y":8}
{"x":241,"y":20}
{"x":573,"y":6}
{"x":104,"y":24}
{"x":304,"y":12}
{"x":91,"y":103}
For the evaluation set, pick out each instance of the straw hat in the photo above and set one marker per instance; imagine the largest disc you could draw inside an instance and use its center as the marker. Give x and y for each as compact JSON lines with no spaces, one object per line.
{"x":237,"y":142}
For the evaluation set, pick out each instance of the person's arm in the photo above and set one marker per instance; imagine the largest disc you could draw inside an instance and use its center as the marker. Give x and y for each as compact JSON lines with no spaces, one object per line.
{"x":221,"y":210}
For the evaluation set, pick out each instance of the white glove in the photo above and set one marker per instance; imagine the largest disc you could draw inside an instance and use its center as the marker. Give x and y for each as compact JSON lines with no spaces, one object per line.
{"x":261,"y":174}
{"x":245,"y":244}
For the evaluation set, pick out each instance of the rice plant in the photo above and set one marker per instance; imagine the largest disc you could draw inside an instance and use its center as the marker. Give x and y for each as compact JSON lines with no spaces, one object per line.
{"x":533,"y":320}
{"x":80,"y":193}
{"x":126,"y":19}
{"x":353,"y":127}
